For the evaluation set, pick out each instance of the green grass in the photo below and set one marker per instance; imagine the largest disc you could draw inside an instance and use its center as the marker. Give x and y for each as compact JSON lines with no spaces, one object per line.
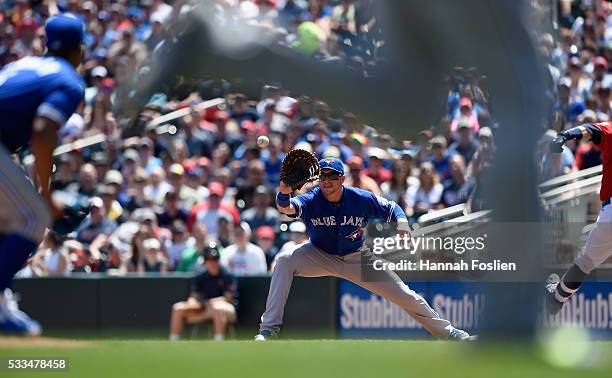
{"x":309,"y":359}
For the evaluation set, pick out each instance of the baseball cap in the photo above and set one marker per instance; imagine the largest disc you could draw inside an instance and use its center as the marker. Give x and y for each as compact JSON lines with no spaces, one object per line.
{"x":377,"y":152}
{"x":298,"y":227}
{"x":99,"y":71}
{"x":265,"y":232}
{"x":113,"y":177}
{"x":177,"y":169}
{"x":131,"y":154}
{"x":463,"y":123}
{"x":96,"y":202}
{"x":211,"y":253}
{"x":64,"y":32}
{"x":600,"y":61}
{"x":216,"y":188}
{"x":332,"y":163}
{"x":438,"y":141}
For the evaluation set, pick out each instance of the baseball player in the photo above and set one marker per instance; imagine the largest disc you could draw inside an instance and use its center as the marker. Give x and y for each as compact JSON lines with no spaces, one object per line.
{"x":335,"y":216}
{"x":599,"y":243}
{"x":37,"y":96}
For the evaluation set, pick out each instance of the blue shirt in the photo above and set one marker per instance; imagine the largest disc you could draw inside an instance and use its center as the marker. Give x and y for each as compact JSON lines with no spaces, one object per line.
{"x":43,"y":86}
{"x":337,"y":229}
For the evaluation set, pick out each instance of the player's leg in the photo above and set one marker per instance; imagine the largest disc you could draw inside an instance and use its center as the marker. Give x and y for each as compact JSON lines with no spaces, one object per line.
{"x":23,"y":220}
{"x":395,"y":290}
{"x":181,"y":311}
{"x":597,"y":249}
{"x":305,"y":261}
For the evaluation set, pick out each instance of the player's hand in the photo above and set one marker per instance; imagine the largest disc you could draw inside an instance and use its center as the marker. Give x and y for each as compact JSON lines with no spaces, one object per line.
{"x":556,"y":146}
{"x":403,"y":227}
{"x":284,"y":188}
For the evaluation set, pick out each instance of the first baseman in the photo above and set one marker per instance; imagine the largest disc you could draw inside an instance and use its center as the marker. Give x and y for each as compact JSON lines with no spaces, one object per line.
{"x":37,"y":96}
{"x":599,"y":243}
{"x":335,"y":216}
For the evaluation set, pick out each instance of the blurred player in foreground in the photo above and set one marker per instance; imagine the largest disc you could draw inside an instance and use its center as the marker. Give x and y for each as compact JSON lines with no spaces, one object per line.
{"x":335,"y":216}
{"x":37,"y":96}
{"x":599,"y":243}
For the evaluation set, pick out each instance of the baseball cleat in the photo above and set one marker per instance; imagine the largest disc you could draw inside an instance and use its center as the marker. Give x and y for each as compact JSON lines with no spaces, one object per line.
{"x":461,"y":335}
{"x":13,"y":320}
{"x":264,"y":335}
{"x":553,"y":306}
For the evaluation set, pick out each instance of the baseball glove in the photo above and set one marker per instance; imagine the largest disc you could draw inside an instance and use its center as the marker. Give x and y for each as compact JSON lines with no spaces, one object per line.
{"x":299,"y":167}
{"x":74,"y":211}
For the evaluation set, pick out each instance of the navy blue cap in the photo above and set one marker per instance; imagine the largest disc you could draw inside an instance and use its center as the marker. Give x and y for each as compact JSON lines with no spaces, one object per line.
{"x":65,"y":32}
{"x":334,"y":164}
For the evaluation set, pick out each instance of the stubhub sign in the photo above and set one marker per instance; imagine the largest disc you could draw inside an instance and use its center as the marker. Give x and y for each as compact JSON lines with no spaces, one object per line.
{"x":362,"y":314}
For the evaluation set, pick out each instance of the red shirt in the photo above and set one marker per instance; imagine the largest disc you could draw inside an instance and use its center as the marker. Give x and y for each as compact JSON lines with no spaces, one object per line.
{"x":606,"y":156}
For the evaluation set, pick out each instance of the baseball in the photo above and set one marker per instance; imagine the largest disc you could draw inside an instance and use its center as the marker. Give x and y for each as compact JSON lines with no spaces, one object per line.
{"x":263,"y":141}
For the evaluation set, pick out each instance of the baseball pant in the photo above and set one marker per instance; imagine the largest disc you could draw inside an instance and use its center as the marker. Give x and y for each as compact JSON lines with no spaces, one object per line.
{"x":309,"y":261}
{"x":22,"y":210}
{"x":598,"y":247}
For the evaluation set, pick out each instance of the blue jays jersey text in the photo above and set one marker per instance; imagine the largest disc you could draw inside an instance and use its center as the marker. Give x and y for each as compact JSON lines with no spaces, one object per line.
{"x":45,"y":86}
{"x":338,"y":228}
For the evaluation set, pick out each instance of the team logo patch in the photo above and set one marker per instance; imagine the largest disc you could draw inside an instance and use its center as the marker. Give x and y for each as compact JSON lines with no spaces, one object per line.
{"x":355,"y":234}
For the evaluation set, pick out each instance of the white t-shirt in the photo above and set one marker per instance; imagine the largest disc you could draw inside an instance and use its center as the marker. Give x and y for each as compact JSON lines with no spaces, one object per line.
{"x":249,"y":261}
{"x":415,"y":195}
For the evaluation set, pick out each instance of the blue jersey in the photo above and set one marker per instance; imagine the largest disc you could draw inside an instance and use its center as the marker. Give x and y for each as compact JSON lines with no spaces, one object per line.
{"x":337,"y":229}
{"x":44,"y":86}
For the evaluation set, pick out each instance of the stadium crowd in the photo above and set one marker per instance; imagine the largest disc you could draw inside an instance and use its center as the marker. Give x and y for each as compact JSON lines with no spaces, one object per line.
{"x":578,"y":59}
{"x":157,"y":200}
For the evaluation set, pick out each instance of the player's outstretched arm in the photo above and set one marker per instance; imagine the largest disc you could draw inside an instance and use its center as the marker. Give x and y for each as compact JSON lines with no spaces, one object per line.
{"x":583,"y":132}
{"x":283,"y":199}
{"x":44,"y":140}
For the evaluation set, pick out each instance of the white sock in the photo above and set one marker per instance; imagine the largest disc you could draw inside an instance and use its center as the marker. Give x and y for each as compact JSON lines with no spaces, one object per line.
{"x":174,"y":337}
{"x":218,"y":337}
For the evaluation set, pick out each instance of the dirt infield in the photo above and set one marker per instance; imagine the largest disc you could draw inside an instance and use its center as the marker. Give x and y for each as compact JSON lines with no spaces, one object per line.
{"x":40,"y":342}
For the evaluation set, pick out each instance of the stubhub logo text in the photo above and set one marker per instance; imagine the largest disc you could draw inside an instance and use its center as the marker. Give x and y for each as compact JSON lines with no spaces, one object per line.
{"x":372,"y":312}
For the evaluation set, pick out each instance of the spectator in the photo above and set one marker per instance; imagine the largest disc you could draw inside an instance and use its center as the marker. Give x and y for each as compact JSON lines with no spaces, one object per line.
{"x":244,"y":258}
{"x":440,"y":157}
{"x":255,"y":177}
{"x":465,"y":146}
{"x":213,"y":295}
{"x":466,"y":116}
{"x":172,"y":210}
{"x":192,"y":253}
{"x":395,"y":188}
{"x":147,"y":159}
{"x":457,"y":188}
{"x":87,"y":181}
{"x":587,"y":155}
{"x":421,"y":198}
{"x":54,"y":256}
{"x":265,"y":240}
{"x":64,"y":177}
{"x":358,"y":178}
{"x":261,"y":214}
{"x":158,"y":186}
{"x":209,"y":212}
{"x":376,"y":170}
{"x":153,"y":259}
{"x":176,"y":177}
{"x":96,"y":223}
{"x":179,"y":243}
